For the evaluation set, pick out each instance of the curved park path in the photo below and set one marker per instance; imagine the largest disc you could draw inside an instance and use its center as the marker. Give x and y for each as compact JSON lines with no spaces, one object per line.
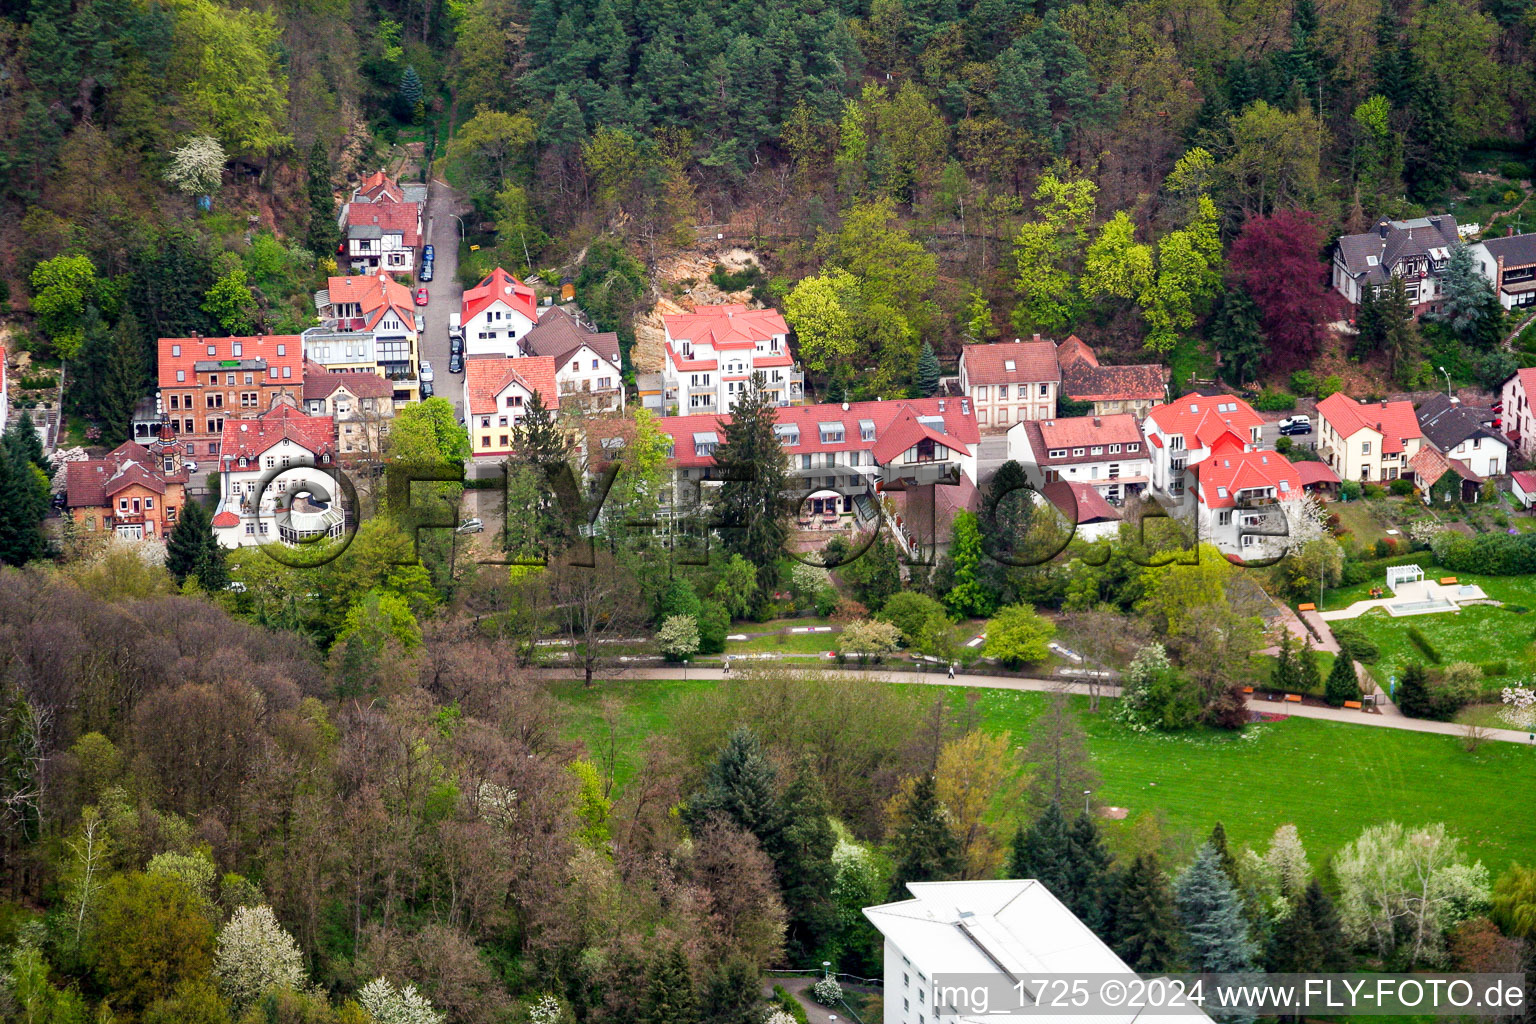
{"x":1388,"y":718}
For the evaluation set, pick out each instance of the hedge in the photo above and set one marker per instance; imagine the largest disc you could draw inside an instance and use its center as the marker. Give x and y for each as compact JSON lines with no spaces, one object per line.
{"x":1361,"y":648}
{"x":789,"y":1003}
{"x":1363,"y":570}
{"x":1422,"y":643}
{"x":1490,"y":554}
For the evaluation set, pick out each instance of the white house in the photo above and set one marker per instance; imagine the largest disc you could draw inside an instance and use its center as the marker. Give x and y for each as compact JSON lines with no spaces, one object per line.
{"x":587,"y":363}
{"x":1509,"y":263}
{"x":1182,"y":432}
{"x":1464,"y":433}
{"x":1107,"y":452}
{"x":368,"y":323}
{"x":1414,"y":250}
{"x":1246,"y":501}
{"x":383,"y":236}
{"x":991,"y":933}
{"x":276,"y":480}
{"x":496,"y":313}
{"x":1522,"y":485}
{"x":1011,"y":381}
{"x":1367,"y":440}
{"x":711,"y":354}
{"x":1081,"y":504}
{"x":1515,"y":408}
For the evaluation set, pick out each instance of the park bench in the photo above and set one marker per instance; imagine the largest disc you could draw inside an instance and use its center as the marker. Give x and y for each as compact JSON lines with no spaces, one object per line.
{"x":1293,"y":697}
{"x":1353,"y":704}
{"x":1447,"y":581}
{"x":1308,"y":607}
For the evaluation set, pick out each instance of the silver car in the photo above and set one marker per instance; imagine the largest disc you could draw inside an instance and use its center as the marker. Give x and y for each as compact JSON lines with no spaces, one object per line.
{"x":426,"y":372}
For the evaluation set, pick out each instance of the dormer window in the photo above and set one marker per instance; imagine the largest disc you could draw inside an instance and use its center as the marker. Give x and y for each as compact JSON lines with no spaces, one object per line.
{"x":237,"y":350}
{"x":1077,"y":451}
{"x":866,"y":430}
{"x":213,"y":350}
{"x":244,"y":462}
{"x":788,"y":433}
{"x":831,"y":433}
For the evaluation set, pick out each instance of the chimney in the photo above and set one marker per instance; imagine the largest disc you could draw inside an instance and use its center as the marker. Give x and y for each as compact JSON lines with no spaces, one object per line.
{"x":1037,"y":335}
{"x":1383,"y":228}
{"x":965,"y":406}
{"x":1509,"y":231}
{"x":1098,"y":422}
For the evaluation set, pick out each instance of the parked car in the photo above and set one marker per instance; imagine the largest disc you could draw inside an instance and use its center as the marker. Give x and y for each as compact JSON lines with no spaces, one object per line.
{"x":1296,"y":425}
{"x":455,"y":362}
{"x":426,"y":389}
{"x":60,"y":500}
{"x":427,"y":253}
{"x":426,"y":271}
{"x":455,"y":344}
{"x":421,"y":296}
{"x":189,"y":465}
{"x":455,"y":327}
{"x":426,"y":372}
{"x":421,"y":323}
{"x":471,"y":526}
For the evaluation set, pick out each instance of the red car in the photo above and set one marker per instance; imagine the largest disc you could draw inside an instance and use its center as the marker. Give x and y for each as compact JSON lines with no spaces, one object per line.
{"x":421,"y":296}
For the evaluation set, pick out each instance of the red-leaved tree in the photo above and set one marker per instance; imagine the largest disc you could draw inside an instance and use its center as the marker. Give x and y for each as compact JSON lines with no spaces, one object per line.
{"x":1276,"y":260}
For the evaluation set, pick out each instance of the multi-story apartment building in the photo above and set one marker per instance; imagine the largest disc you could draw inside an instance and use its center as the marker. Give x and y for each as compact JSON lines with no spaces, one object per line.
{"x":206,"y":382}
{"x":1246,"y":500}
{"x":1135,"y":389}
{"x":362,"y":405}
{"x":587,"y":363}
{"x":1510,"y":264}
{"x":1106,"y":452}
{"x":368,"y":323}
{"x":497,"y":389}
{"x":1519,"y":418}
{"x":1367,"y":440}
{"x":1182,"y":433}
{"x":711,"y":354}
{"x":496,"y":313}
{"x":1415,"y":250}
{"x":132,"y":491}
{"x":1010,"y":381}
{"x":275,"y":480}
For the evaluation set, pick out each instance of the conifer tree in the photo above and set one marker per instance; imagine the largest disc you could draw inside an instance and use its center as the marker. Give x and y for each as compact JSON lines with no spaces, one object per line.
{"x":1286,"y":674}
{"x":193,"y":550}
{"x":24,"y":443}
{"x":1310,"y":676}
{"x":1413,"y":697}
{"x":669,"y":996}
{"x":1044,"y":852}
{"x":1469,"y":307}
{"x":1237,"y":331}
{"x":323,"y":234}
{"x":123,"y":384}
{"x":1218,"y":841}
{"x":1215,"y":933}
{"x":751,"y":457}
{"x":928,"y":372}
{"x":740,"y":788}
{"x":804,"y":863}
{"x":1146,"y":924}
{"x":1310,"y":939}
{"x":23,"y":503}
{"x":1343,"y":684}
{"x":925,"y":848}
{"x":409,"y":93}
{"x":1092,"y":885}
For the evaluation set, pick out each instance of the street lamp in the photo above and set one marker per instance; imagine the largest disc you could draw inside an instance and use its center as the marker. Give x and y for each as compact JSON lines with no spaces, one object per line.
{"x":826,"y":968}
{"x":1086,"y":794}
{"x":1447,"y":383}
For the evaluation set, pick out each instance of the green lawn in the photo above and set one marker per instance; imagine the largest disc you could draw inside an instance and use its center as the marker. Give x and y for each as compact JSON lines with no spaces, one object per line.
{"x":1359,"y":520}
{"x":1329,"y":779}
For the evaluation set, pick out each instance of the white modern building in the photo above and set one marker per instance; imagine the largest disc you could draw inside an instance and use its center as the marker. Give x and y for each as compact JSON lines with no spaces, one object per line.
{"x":1182,"y":433}
{"x":711,"y":354}
{"x":1106,"y":452}
{"x":276,"y":480}
{"x":496,"y":314}
{"x":995,"y":933}
{"x":1247,"y":502}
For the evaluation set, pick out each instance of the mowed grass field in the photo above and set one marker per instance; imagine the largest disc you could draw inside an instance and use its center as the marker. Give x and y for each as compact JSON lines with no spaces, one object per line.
{"x":1330,"y":780}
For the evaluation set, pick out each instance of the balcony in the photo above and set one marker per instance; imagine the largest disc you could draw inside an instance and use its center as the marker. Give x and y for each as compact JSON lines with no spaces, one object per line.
{"x":1255,"y":500}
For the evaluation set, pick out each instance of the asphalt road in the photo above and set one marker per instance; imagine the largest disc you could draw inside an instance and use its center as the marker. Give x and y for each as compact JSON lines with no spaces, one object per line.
{"x":444,"y":293}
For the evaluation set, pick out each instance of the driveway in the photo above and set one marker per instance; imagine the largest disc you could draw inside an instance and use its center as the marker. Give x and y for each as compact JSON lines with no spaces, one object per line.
{"x":444,"y":292}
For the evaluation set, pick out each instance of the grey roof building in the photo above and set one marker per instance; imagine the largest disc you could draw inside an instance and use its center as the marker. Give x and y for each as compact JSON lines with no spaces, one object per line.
{"x":1415,"y":250}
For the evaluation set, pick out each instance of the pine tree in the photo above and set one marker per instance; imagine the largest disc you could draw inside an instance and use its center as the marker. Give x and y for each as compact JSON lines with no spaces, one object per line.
{"x":24,"y":443}
{"x":1146,"y":925}
{"x":409,"y":93}
{"x":1399,"y":332}
{"x":669,"y":996}
{"x":1343,"y":684}
{"x":1310,"y":676}
{"x":1044,"y":852}
{"x":1392,"y":79}
{"x":1286,"y":675}
{"x":193,"y":550}
{"x":1470,"y":307}
{"x":1433,"y":151}
{"x":1309,"y":939}
{"x":1218,"y":841}
{"x":928,"y":372}
{"x":751,"y":459}
{"x":1413,"y":696}
{"x":1211,"y":913}
{"x":322,"y":236}
{"x":925,"y":850}
{"x":733,"y":994}
{"x":23,"y":503}
{"x":804,"y":863}
{"x":123,"y":385}
{"x":1370,"y":323}
{"x":1237,"y":331}
{"x":1092,"y":883}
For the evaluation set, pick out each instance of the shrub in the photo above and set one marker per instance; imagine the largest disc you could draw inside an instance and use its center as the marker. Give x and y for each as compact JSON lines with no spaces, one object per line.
{"x":1284,"y":444}
{"x":1274,"y":400}
{"x":1494,"y":668}
{"x":1351,"y":490}
{"x":1514,"y":170}
{"x":1375,"y":491}
{"x":827,"y":992}
{"x":1400,"y":487}
{"x":911,"y":612}
{"x":1421,"y":641}
{"x":1489,"y":554}
{"x":1385,"y":547}
{"x":1304,"y":382}
{"x":826,"y":601}
{"x":1357,"y":645}
{"x":789,"y":1004}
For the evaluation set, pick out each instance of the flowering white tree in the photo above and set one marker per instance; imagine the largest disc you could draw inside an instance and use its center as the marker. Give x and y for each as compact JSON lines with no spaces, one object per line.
{"x":256,"y":955}
{"x":808,"y":579}
{"x":389,"y":1005}
{"x":678,"y":636}
{"x":870,"y":637}
{"x":1519,"y":708}
{"x":197,"y":167}
{"x":545,"y":1011}
{"x":1281,"y":873}
{"x":777,"y":1016}
{"x":827,"y":992}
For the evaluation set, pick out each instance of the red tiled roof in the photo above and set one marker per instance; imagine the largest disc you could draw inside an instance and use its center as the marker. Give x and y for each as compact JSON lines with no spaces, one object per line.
{"x":486,"y":377}
{"x":249,"y":438}
{"x":1011,"y":362}
{"x":387,"y":217}
{"x":1234,"y":470}
{"x":1082,"y":432}
{"x":729,"y":325}
{"x":379,"y":185}
{"x":1080,"y":501}
{"x":1526,"y":480}
{"x":1312,"y":473}
{"x":894,"y":419}
{"x":1073,"y":350}
{"x":262,"y":346}
{"x":1394,"y":421}
{"x":1527,"y":377}
{"x":89,"y":482}
{"x":1429,"y":465}
{"x":1201,"y":419}
{"x":374,"y":294}
{"x":224,"y":520}
{"x":322,"y":383}
{"x":501,"y":286}
{"x":1090,"y":382}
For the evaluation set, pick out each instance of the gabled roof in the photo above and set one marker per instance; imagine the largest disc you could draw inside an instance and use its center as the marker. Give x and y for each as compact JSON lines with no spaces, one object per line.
{"x":322,"y":383}
{"x":1527,"y":379}
{"x":1313,"y":473}
{"x":1085,"y":432}
{"x":1011,"y":362}
{"x":260,"y":347}
{"x":1201,"y":419}
{"x":1429,"y":465}
{"x":486,"y":377}
{"x":558,"y":335}
{"x":1080,"y":502}
{"x":1446,"y":424}
{"x":897,"y":420}
{"x":1371,"y":255}
{"x":88,"y":483}
{"x":249,"y":438}
{"x":365,"y":220}
{"x":1525,"y":479}
{"x":1516,"y":250}
{"x":1074,"y":350}
{"x":1228,"y":471}
{"x":728,"y":325}
{"x":1089,"y":382}
{"x":375,"y":294}
{"x":379,"y":185}
{"x":1394,"y":421}
{"x":500,"y":286}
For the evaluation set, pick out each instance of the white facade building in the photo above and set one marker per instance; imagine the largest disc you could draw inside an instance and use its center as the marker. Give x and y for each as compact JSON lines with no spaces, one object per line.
{"x":276,"y":480}
{"x":1106,"y":452}
{"x":496,"y":314}
{"x":711,"y":354}
{"x":1182,"y":432}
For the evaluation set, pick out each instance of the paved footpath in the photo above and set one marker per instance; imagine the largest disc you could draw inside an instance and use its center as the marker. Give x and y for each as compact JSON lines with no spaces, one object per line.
{"x":1388,"y":718}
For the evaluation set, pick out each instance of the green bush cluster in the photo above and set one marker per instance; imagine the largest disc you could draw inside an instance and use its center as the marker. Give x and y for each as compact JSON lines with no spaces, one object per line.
{"x":1490,"y":554}
{"x":1272,"y":399}
{"x":1422,"y":643}
{"x":789,"y":1004}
